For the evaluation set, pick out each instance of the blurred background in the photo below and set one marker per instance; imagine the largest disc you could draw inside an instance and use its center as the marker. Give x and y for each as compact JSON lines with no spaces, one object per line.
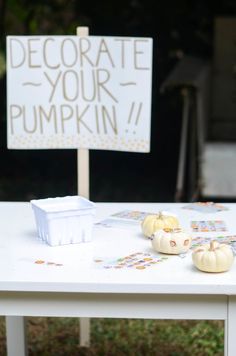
{"x":180,"y":30}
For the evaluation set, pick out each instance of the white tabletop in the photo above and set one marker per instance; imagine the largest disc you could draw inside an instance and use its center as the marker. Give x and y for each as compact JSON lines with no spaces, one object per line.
{"x":71,"y":268}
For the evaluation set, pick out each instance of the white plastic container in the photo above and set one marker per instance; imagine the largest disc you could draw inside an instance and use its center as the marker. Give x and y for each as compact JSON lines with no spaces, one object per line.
{"x":64,"y":220}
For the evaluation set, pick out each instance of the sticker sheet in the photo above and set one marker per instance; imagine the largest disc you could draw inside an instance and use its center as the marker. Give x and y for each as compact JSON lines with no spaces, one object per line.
{"x":127,"y":218}
{"x":201,"y":240}
{"x":117,"y":223}
{"x":137,"y":260}
{"x":131,"y":215}
{"x":124,"y":219}
{"x":208,"y":226}
{"x":205,"y":207}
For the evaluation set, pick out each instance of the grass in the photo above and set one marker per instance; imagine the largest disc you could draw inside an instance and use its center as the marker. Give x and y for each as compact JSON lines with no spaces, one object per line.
{"x":118,"y":337}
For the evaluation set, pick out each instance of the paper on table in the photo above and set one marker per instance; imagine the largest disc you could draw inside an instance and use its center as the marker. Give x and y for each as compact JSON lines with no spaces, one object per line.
{"x":205,"y":207}
{"x":131,"y":215}
{"x":118,"y":223}
{"x":127,"y":218}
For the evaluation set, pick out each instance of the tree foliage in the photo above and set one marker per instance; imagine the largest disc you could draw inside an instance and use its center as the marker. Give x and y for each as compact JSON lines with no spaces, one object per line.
{"x":179,"y":26}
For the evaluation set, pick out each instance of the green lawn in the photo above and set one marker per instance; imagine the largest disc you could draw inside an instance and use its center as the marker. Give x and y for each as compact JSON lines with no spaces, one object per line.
{"x":113,"y":337}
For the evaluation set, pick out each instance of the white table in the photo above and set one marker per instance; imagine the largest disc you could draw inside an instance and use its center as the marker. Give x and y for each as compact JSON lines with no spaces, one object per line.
{"x":173,"y":289}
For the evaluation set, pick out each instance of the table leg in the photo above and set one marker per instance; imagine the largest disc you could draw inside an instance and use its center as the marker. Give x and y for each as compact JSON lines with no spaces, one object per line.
{"x":226,"y":338}
{"x":16,"y":336}
{"x":230,"y":327}
{"x":84,"y":332}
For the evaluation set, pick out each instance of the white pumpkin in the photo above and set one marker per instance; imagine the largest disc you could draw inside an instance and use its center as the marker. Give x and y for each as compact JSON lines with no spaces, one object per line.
{"x":213,"y":257}
{"x":171,"y":241}
{"x":154,"y":222}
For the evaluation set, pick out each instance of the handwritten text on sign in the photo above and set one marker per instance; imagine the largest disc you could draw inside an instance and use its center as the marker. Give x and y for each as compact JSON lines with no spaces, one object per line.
{"x":74,"y":92}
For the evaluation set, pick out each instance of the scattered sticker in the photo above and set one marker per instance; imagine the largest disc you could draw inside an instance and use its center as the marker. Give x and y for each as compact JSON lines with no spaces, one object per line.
{"x":48,"y":263}
{"x":138,"y":260}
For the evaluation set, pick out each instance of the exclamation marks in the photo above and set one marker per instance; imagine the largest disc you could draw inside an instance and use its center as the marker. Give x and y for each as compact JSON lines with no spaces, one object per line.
{"x":134,"y":116}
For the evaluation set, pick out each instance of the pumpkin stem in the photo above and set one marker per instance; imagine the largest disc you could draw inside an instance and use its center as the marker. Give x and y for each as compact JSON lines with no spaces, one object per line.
{"x":174,"y":229}
{"x":177,"y":229}
{"x":213,"y":245}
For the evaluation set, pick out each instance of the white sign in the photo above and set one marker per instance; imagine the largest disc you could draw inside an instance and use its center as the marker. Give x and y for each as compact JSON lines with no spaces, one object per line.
{"x":79,"y":92}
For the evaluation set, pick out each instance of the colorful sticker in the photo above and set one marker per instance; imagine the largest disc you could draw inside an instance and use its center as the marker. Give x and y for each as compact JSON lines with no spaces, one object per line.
{"x":208,"y":226}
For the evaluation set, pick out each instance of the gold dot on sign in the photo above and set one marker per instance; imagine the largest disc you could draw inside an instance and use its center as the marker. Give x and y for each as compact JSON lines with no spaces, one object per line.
{"x":140,"y":267}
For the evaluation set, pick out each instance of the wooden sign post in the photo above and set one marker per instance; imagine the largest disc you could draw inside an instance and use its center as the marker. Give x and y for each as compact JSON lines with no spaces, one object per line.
{"x":83,"y":190}
{"x":83,"y":153}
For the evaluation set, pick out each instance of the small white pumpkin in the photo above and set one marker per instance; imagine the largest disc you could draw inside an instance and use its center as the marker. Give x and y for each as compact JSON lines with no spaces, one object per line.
{"x":154,"y":222}
{"x":213,"y":257}
{"x":171,"y":241}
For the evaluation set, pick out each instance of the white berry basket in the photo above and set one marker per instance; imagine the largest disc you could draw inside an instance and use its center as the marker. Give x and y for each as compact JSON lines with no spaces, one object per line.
{"x":65,"y":220}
